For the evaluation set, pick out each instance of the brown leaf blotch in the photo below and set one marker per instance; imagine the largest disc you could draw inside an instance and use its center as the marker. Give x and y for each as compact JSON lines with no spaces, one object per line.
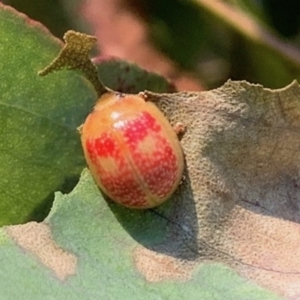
{"x":156,"y":267}
{"x":37,"y":239}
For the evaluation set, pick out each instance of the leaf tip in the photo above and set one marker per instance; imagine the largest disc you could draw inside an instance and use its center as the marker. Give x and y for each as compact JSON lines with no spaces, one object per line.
{"x":75,"y":56}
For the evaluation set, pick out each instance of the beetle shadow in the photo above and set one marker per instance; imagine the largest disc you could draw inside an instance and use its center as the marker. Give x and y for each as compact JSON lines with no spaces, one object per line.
{"x":170,"y":229}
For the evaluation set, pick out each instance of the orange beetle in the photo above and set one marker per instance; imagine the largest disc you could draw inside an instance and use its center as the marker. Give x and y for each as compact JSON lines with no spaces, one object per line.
{"x":132,"y":150}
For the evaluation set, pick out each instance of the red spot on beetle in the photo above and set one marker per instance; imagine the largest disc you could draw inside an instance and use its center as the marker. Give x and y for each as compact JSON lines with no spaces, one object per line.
{"x":159,"y":172}
{"x":106,"y":146}
{"x":137,"y":129}
{"x":90,"y":150}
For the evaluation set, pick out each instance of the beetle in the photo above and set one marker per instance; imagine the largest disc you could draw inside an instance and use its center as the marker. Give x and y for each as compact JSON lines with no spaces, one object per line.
{"x":132,"y":151}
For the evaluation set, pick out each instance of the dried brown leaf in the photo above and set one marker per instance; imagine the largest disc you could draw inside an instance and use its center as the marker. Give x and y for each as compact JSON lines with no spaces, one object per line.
{"x":240,"y":202}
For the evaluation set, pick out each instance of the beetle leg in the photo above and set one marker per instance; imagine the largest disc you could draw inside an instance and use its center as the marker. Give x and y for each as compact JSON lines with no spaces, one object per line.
{"x":182,"y":180}
{"x":79,"y":128}
{"x":179,"y":128}
{"x":143,"y":95}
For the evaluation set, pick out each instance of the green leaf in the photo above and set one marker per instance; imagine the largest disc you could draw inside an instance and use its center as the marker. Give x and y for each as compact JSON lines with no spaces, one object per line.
{"x":92,"y":249}
{"x":40,"y":149}
{"x":130,"y":78}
